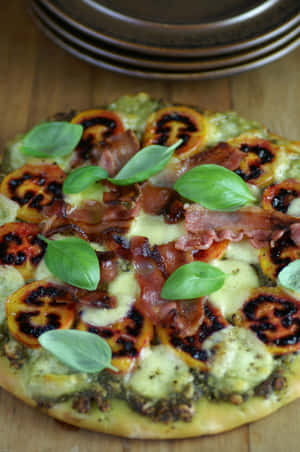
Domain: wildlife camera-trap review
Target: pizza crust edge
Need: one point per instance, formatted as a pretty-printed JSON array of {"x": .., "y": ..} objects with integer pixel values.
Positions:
[{"x": 210, "y": 417}]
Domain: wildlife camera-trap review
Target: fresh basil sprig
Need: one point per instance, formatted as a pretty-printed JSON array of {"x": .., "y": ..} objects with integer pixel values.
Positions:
[
  {"x": 74, "y": 261},
  {"x": 52, "y": 139},
  {"x": 215, "y": 188},
  {"x": 80, "y": 350},
  {"x": 145, "y": 163},
  {"x": 81, "y": 178},
  {"x": 192, "y": 281},
  {"x": 289, "y": 276}
]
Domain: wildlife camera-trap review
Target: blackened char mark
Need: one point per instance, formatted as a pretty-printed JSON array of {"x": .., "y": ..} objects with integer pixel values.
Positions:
[
  {"x": 282, "y": 317},
  {"x": 284, "y": 243},
  {"x": 265, "y": 156},
  {"x": 283, "y": 199},
  {"x": 163, "y": 129},
  {"x": 86, "y": 144},
  {"x": 26, "y": 326}
]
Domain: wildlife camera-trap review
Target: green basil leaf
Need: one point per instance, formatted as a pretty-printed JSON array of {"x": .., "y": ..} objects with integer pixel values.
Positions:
[
  {"x": 214, "y": 187},
  {"x": 145, "y": 163},
  {"x": 52, "y": 139},
  {"x": 74, "y": 261},
  {"x": 81, "y": 178},
  {"x": 192, "y": 281},
  {"x": 80, "y": 350},
  {"x": 289, "y": 276}
]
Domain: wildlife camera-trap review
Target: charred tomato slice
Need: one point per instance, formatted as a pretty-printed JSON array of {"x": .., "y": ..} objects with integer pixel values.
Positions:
[
  {"x": 98, "y": 125},
  {"x": 279, "y": 196},
  {"x": 168, "y": 125},
  {"x": 21, "y": 247},
  {"x": 189, "y": 347},
  {"x": 274, "y": 316},
  {"x": 126, "y": 338},
  {"x": 36, "y": 308},
  {"x": 34, "y": 187}
]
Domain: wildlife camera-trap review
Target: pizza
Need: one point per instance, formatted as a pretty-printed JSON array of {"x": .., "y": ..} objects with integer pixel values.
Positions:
[{"x": 149, "y": 267}]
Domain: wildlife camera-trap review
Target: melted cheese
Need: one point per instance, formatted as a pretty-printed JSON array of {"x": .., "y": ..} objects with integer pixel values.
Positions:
[
  {"x": 126, "y": 290},
  {"x": 241, "y": 278},
  {"x": 239, "y": 360},
  {"x": 93, "y": 193},
  {"x": 155, "y": 229},
  {"x": 242, "y": 251},
  {"x": 47, "y": 377},
  {"x": 8, "y": 210},
  {"x": 294, "y": 208},
  {"x": 159, "y": 373},
  {"x": 10, "y": 281}
]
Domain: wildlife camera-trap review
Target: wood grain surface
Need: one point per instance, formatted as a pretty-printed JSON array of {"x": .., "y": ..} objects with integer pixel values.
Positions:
[{"x": 37, "y": 79}]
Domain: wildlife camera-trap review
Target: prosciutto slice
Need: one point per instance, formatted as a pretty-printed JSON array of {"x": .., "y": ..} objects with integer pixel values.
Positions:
[
  {"x": 260, "y": 226},
  {"x": 117, "y": 151}
]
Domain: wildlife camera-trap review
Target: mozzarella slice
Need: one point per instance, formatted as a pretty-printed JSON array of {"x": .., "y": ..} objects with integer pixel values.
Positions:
[
  {"x": 241, "y": 278},
  {"x": 155, "y": 229},
  {"x": 159, "y": 373}
]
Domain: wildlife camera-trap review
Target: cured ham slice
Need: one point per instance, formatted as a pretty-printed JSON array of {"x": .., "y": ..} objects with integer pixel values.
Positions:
[{"x": 260, "y": 226}]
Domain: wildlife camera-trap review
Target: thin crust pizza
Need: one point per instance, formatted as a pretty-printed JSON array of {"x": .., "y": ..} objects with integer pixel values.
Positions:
[{"x": 150, "y": 268}]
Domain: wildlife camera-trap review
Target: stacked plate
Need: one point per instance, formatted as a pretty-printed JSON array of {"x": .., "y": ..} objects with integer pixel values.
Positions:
[{"x": 178, "y": 39}]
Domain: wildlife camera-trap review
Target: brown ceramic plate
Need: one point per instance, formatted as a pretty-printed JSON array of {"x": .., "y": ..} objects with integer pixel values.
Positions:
[
  {"x": 187, "y": 29},
  {"x": 65, "y": 31},
  {"x": 111, "y": 65}
]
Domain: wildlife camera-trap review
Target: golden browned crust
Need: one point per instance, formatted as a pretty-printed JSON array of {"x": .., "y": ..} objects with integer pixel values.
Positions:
[{"x": 210, "y": 417}]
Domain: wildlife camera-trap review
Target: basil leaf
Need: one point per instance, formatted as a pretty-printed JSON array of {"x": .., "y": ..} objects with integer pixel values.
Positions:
[
  {"x": 145, "y": 163},
  {"x": 80, "y": 350},
  {"x": 52, "y": 139},
  {"x": 73, "y": 261},
  {"x": 81, "y": 178},
  {"x": 289, "y": 276},
  {"x": 214, "y": 187},
  {"x": 192, "y": 281}
]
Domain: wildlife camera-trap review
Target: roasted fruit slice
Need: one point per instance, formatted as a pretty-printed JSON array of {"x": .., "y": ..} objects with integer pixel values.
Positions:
[
  {"x": 21, "y": 247},
  {"x": 126, "y": 337},
  {"x": 34, "y": 187},
  {"x": 274, "y": 316},
  {"x": 215, "y": 251},
  {"x": 98, "y": 125},
  {"x": 38, "y": 307},
  {"x": 189, "y": 348},
  {"x": 279, "y": 196},
  {"x": 277, "y": 254},
  {"x": 257, "y": 167},
  {"x": 168, "y": 125}
]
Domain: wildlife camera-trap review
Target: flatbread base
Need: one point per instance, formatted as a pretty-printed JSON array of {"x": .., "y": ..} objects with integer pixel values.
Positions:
[{"x": 210, "y": 417}]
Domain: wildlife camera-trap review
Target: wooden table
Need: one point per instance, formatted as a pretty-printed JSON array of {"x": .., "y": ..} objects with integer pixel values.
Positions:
[{"x": 38, "y": 79}]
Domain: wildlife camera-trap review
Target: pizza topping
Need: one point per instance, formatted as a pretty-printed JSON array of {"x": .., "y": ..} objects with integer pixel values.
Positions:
[
  {"x": 222, "y": 155},
  {"x": 159, "y": 373},
  {"x": 274, "y": 316},
  {"x": 8, "y": 210},
  {"x": 241, "y": 278},
  {"x": 117, "y": 151},
  {"x": 190, "y": 347},
  {"x": 126, "y": 338},
  {"x": 257, "y": 167},
  {"x": 80, "y": 350},
  {"x": 51, "y": 139},
  {"x": 170, "y": 124},
  {"x": 34, "y": 187},
  {"x": 38, "y": 307},
  {"x": 98, "y": 126},
  {"x": 280, "y": 196},
  {"x": 193, "y": 280},
  {"x": 289, "y": 276},
  {"x": 81, "y": 178},
  {"x": 277, "y": 254},
  {"x": 207, "y": 226},
  {"x": 21, "y": 247},
  {"x": 215, "y": 188},
  {"x": 125, "y": 290},
  {"x": 242, "y": 251},
  {"x": 10, "y": 280},
  {"x": 238, "y": 360},
  {"x": 73, "y": 261}
]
